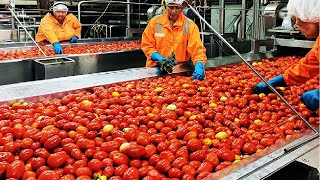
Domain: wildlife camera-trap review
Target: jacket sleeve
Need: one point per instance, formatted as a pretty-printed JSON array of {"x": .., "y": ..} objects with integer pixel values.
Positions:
[
  {"x": 76, "y": 25},
  {"x": 49, "y": 30},
  {"x": 307, "y": 68},
  {"x": 148, "y": 42},
  {"x": 195, "y": 46}
]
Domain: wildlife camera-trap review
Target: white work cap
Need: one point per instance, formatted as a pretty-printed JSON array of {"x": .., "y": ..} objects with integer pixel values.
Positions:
[
  {"x": 306, "y": 10},
  {"x": 177, "y": 2},
  {"x": 59, "y": 6}
]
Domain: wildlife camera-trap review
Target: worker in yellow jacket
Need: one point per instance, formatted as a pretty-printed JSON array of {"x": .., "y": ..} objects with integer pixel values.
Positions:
[
  {"x": 58, "y": 26},
  {"x": 173, "y": 32},
  {"x": 307, "y": 20}
]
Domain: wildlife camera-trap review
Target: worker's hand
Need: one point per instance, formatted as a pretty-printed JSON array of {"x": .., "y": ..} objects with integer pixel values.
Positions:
[
  {"x": 263, "y": 88},
  {"x": 57, "y": 48},
  {"x": 157, "y": 57},
  {"x": 198, "y": 71},
  {"x": 74, "y": 39},
  {"x": 311, "y": 99}
]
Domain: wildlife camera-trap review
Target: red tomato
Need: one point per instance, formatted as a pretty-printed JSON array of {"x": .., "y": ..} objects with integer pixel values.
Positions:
[
  {"x": 180, "y": 162},
  {"x": 28, "y": 174},
  {"x": 266, "y": 142},
  {"x": 187, "y": 176},
  {"x": 85, "y": 144},
  {"x": 110, "y": 146},
  {"x": 212, "y": 158},
  {"x": 41, "y": 170},
  {"x": 131, "y": 173},
  {"x": 37, "y": 162},
  {"x": 135, "y": 163},
  {"x": 204, "y": 167},
  {"x": 167, "y": 155},
  {"x": 182, "y": 152},
  {"x": 163, "y": 166},
  {"x": 203, "y": 175},
  {"x": 189, "y": 169},
  {"x": 68, "y": 177},
  {"x": 249, "y": 148},
  {"x": 194, "y": 145},
  {"x": 69, "y": 169},
  {"x": 83, "y": 171},
  {"x": 150, "y": 150},
  {"x": 94, "y": 165},
  {"x": 237, "y": 143},
  {"x": 6, "y": 156},
  {"x": 57, "y": 159},
  {"x": 12, "y": 147},
  {"x": 120, "y": 158},
  {"x": 143, "y": 139},
  {"x": 48, "y": 174},
  {"x": 154, "y": 174},
  {"x": 134, "y": 150},
  {"x": 226, "y": 155},
  {"x": 198, "y": 155},
  {"x": 223, "y": 165},
  {"x": 175, "y": 173},
  {"x": 157, "y": 138},
  {"x": 52, "y": 142},
  {"x": 3, "y": 167},
  {"x": 16, "y": 169},
  {"x": 108, "y": 171},
  {"x": 41, "y": 152},
  {"x": 25, "y": 154},
  {"x": 119, "y": 171}
]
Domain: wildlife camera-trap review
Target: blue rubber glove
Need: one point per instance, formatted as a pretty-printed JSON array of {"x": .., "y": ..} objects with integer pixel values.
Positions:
[
  {"x": 159, "y": 58},
  {"x": 263, "y": 88},
  {"x": 57, "y": 48},
  {"x": 74, "y": 39},
  {"x": 311, "y": 99},
  {"x": 198, "y": 71}
]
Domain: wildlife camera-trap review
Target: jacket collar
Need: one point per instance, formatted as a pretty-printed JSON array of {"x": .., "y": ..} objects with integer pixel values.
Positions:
[{"x": 164, "y": 19}]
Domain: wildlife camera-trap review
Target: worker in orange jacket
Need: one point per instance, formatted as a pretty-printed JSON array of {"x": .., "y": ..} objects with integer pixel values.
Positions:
[
  {"x": 59, "y": 26},
  {"x": 307, "y": 20},
  {"x": 173, "y": 32}
]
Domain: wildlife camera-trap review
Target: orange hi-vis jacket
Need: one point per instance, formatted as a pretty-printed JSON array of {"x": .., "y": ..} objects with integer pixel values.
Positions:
[
  {"x": 307, "y": 68},
  {"x": 51, "y": 30},
  {"x": 183, "y": 39}
]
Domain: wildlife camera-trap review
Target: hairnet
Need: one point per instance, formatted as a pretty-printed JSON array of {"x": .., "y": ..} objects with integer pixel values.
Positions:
[
  {"x": 306, "y": 10},
  {"x": 59, "y": 7},
  {"x": 177, "y": 2}
]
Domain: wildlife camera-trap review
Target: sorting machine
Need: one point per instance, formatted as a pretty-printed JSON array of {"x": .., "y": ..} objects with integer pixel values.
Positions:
[{"x": 94, "y": 69}]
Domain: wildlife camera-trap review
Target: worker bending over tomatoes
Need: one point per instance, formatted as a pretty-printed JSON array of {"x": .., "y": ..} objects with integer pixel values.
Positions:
[
  {"x": 173, "y": 32},
  {"x": 307, "y": 19},
  {"x": 58, "y": 26}
]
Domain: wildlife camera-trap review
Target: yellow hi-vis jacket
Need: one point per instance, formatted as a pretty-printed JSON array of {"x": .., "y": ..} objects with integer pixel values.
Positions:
[
  {"x": 307, "y": 68},
  {"x": 183, "y": 39},
  {"x": 51, "y": 30}
]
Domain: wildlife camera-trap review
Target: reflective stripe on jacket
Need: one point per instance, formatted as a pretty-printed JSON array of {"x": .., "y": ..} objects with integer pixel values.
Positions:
[
  {"x": 183, "y": 39},
  {"x": 307, "y": 68},
  {"x": 51, "y": 30}
]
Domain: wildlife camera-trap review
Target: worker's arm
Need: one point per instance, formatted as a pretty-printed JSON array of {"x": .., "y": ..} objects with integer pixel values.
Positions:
[
  {"x": 195, "y": 46},
  {"x": 307, "y": 68},
  {"x": 148, "y": 43},
  {"x": 48, "y": 29},
  {"x": 76, "y": 25}
]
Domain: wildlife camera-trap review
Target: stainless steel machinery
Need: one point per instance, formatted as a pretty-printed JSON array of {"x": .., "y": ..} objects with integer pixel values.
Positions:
[{"x": 278, "y": 26}]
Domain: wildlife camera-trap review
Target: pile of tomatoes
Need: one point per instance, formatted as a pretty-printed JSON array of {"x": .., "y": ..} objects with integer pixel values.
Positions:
[
  {"x": 169, "y": 127},
  {"x": 80, "y": 49}
]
